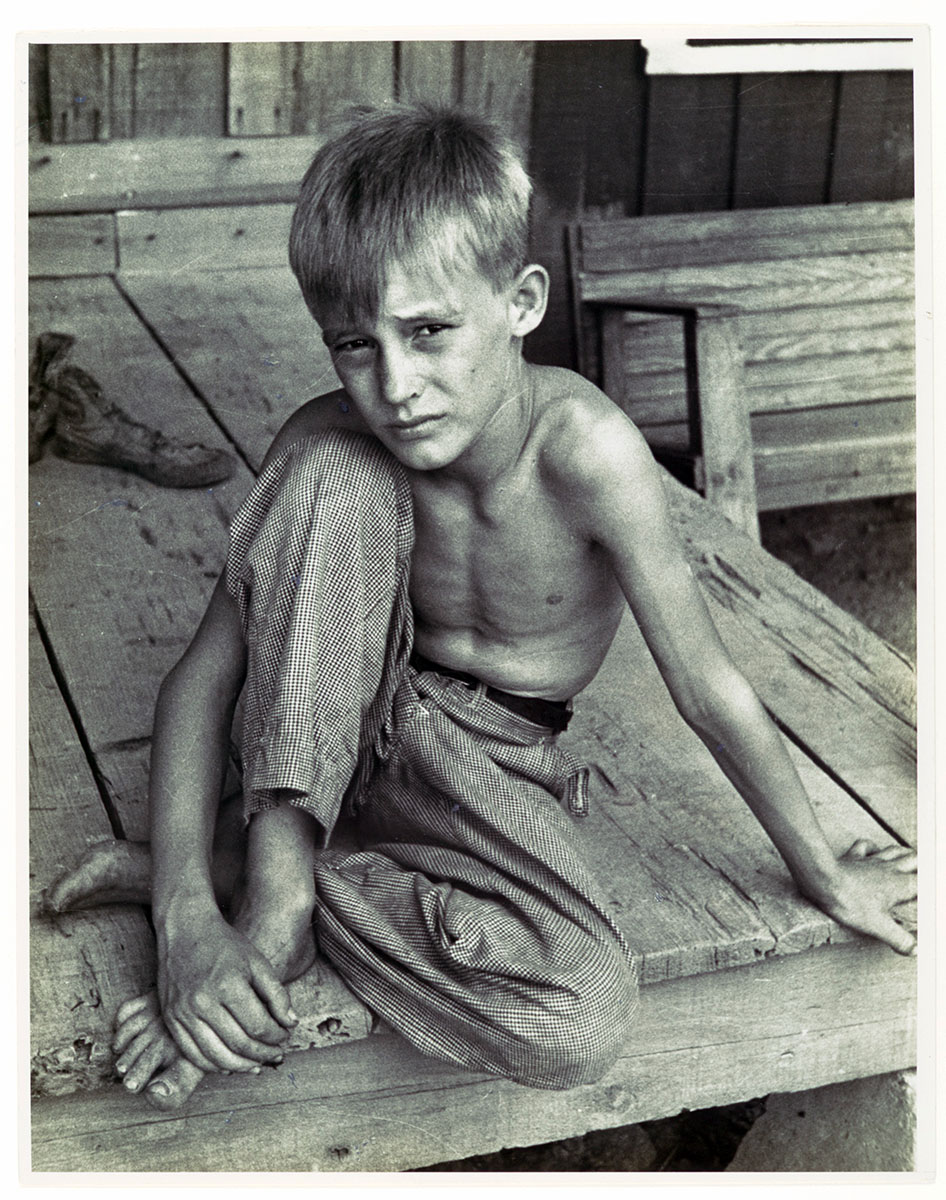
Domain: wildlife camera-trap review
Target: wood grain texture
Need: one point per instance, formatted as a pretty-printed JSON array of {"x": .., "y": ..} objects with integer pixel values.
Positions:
[
  {"x": 496, "y": 82},
  {"x": 79, "y": 101},
  {"x": 247, "y": 342},
  {"x": 177, "y": 89},
  {"x": 168, "y": 173},
  {"x": 747, "y": 235},
  {"x": 179, "y": 240},
  {"x": 80, "y": 245},
  {"x": 376, "y": 1105},
  {"x": 767, "y": 285},
  {"x": 334, "y": 75},
  {"x": 260, "y": 88},
  {"x": 147, "y": 557},
  {"x": 849, "y": 698},
  {"x": 726, "y": 439},
  {"x": 428, "y": 71},
  {"x": 84, "y": 965}
]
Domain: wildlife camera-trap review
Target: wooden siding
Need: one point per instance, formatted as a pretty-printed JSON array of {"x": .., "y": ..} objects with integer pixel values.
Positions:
[{"x": 101, "y": 92}]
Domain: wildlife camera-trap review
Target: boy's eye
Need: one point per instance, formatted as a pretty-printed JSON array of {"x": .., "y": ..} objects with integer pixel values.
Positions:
[
  {"x": 350, "y": 345},
  {"x": 424, "y": 332}
]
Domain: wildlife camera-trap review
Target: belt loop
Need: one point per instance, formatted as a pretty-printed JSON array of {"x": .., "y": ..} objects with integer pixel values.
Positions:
[{"x": 577, "y": 793}]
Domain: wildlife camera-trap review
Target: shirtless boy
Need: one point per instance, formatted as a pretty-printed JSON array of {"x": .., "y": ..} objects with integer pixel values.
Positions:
[{"x": 434, "y": 561}]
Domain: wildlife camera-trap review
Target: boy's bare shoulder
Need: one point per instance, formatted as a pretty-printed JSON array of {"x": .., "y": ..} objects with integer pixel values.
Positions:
[
  {"x": 334, "y": 410},
  {"x": 582, "y": 434}
]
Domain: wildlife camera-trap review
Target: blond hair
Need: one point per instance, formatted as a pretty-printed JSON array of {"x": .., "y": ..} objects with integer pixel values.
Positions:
[{"x": 407, "y": 182}]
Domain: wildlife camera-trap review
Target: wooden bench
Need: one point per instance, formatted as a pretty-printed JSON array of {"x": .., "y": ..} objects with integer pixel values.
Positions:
[
  {"x": 748, "y": 989},
  {"x": 773, "y": 348}
]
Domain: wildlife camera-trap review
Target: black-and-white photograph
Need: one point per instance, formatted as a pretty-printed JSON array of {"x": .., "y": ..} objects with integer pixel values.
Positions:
[{"x": 473, "y": 602}]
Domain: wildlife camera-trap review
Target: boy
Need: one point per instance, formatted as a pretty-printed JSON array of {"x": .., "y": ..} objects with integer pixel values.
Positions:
[{"x": 434, "y": 561}]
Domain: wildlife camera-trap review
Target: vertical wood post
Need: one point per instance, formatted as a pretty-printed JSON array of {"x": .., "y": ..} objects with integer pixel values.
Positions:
[{"x": 724, "y": 420}]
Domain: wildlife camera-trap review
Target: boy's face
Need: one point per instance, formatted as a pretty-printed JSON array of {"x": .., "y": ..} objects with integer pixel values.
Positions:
[{"x": 429, "y": 374}]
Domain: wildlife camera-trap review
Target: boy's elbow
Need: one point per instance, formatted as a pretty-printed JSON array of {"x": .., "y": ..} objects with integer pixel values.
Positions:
[{"x": 717, "y": 698}]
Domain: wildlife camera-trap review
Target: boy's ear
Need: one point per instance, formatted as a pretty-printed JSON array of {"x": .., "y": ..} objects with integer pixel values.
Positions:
[{"x": 528, "y": 299}]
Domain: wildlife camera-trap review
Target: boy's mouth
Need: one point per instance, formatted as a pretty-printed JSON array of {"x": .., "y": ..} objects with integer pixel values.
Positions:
[{"x": 414, "y": 425}]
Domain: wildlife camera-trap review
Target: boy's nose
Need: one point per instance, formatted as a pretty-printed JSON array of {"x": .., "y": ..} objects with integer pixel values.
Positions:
[{"x": 397, "y": 377}]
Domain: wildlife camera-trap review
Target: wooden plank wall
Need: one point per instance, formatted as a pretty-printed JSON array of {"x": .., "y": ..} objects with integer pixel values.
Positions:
[{"x": 98, "y": 92}]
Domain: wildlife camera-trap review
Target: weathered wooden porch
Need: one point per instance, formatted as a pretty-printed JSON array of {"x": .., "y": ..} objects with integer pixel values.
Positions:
[{"x": 749, "y": 990}]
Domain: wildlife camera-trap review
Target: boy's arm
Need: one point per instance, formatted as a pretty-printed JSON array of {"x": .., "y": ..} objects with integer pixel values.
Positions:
[
  {"x": 220, "y": 999},
  {"x": 616, "y": 486}
]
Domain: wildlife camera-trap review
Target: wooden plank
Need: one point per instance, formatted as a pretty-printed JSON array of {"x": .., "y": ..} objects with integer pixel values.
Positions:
[
  {"x": 764, "y": 286},
  {"x": 847, "y": 697},
  {"x": 77, "y": 980},
  {"x": 837, "y": 460},
  {"x": 124, "y": 61},
  {"x": 147, "y": 557},
  {"x": 496, "y": 81},
  {"x": 858, "y": 422},
  {"x": 728, "y": 478},
  {"x": 659, "y": 399},
  {"x": 38, "y": 93},
  {"x": 685, "y": 869},
  {"x": 260, "y": 88},
  {"x": 166, "y": 173},
  {"x": 201, "y": 239},
  {"x": 783, "y": 139},
  {"x": 376, "y": 1105},
  {"x": 745, "y": 236},
  {"x": 247, "y": 341},
  {"x": 428, "y": 71},
  {"x": 801, "y": 494},
  {"x": 651, "y": 343},
  {"x": 335, "y": 75},
  {"x": 80, "y": 245},
  {"x": 178, "y": 89},
  {"x": 873, "y": 157},
  {"x": 79, "y": 92},
  {"x": 690, "y": 127}
]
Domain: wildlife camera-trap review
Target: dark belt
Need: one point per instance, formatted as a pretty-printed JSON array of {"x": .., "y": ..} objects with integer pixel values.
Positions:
[{"x": 554, "y": 714}]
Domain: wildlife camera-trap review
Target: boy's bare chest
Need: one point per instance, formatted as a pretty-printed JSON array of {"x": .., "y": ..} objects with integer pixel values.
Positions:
[{"x": 507, "y": 565}]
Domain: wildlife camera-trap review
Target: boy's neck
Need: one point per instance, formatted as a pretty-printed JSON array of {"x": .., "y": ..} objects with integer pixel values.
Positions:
[{"x": 500, "y": 444}]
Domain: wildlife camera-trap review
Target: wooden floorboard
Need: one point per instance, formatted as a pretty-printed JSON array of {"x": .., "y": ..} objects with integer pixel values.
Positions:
[
  {"x": 246, "y": 341},
  {"x": 121, "y": 569},
  {"x": 82, "y": 966},
  {"x": 377, "y": 1105}
]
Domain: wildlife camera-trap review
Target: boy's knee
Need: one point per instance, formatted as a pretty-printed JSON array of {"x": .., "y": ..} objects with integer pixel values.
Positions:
[{"x": 578, "y": 1037}]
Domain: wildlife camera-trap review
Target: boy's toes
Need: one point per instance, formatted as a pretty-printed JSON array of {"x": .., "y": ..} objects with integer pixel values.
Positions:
[{"x": 174, "y": 1087}]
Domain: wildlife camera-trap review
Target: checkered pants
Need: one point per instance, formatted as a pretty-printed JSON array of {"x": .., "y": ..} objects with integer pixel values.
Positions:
[{"x": 468, "y": 919}]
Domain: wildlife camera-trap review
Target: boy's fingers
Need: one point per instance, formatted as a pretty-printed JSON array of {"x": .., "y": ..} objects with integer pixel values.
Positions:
[
  {"x": 187, "y": 1046},
  {"x": 898, "y": 854},
  {"x": 862, "y": 848},
  {"x": 224, "y": 1044},
  {"x": 276, "y": 997}
]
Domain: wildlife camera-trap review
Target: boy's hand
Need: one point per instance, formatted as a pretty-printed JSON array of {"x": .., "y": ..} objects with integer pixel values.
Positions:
[
  {"x": 221, "y": 1000},
  {"x": 870, "y": 884}
]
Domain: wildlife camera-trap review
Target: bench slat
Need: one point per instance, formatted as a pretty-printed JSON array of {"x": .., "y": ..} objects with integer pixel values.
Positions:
[
  {"x": 764, "y": 286},
  {"x": 746, "y": 235}
]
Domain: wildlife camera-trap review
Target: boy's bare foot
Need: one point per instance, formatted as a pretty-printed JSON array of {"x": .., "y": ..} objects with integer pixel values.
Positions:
[
  {"x": 144, "y": 1048},
  {"x": 108, "y": 873}
]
